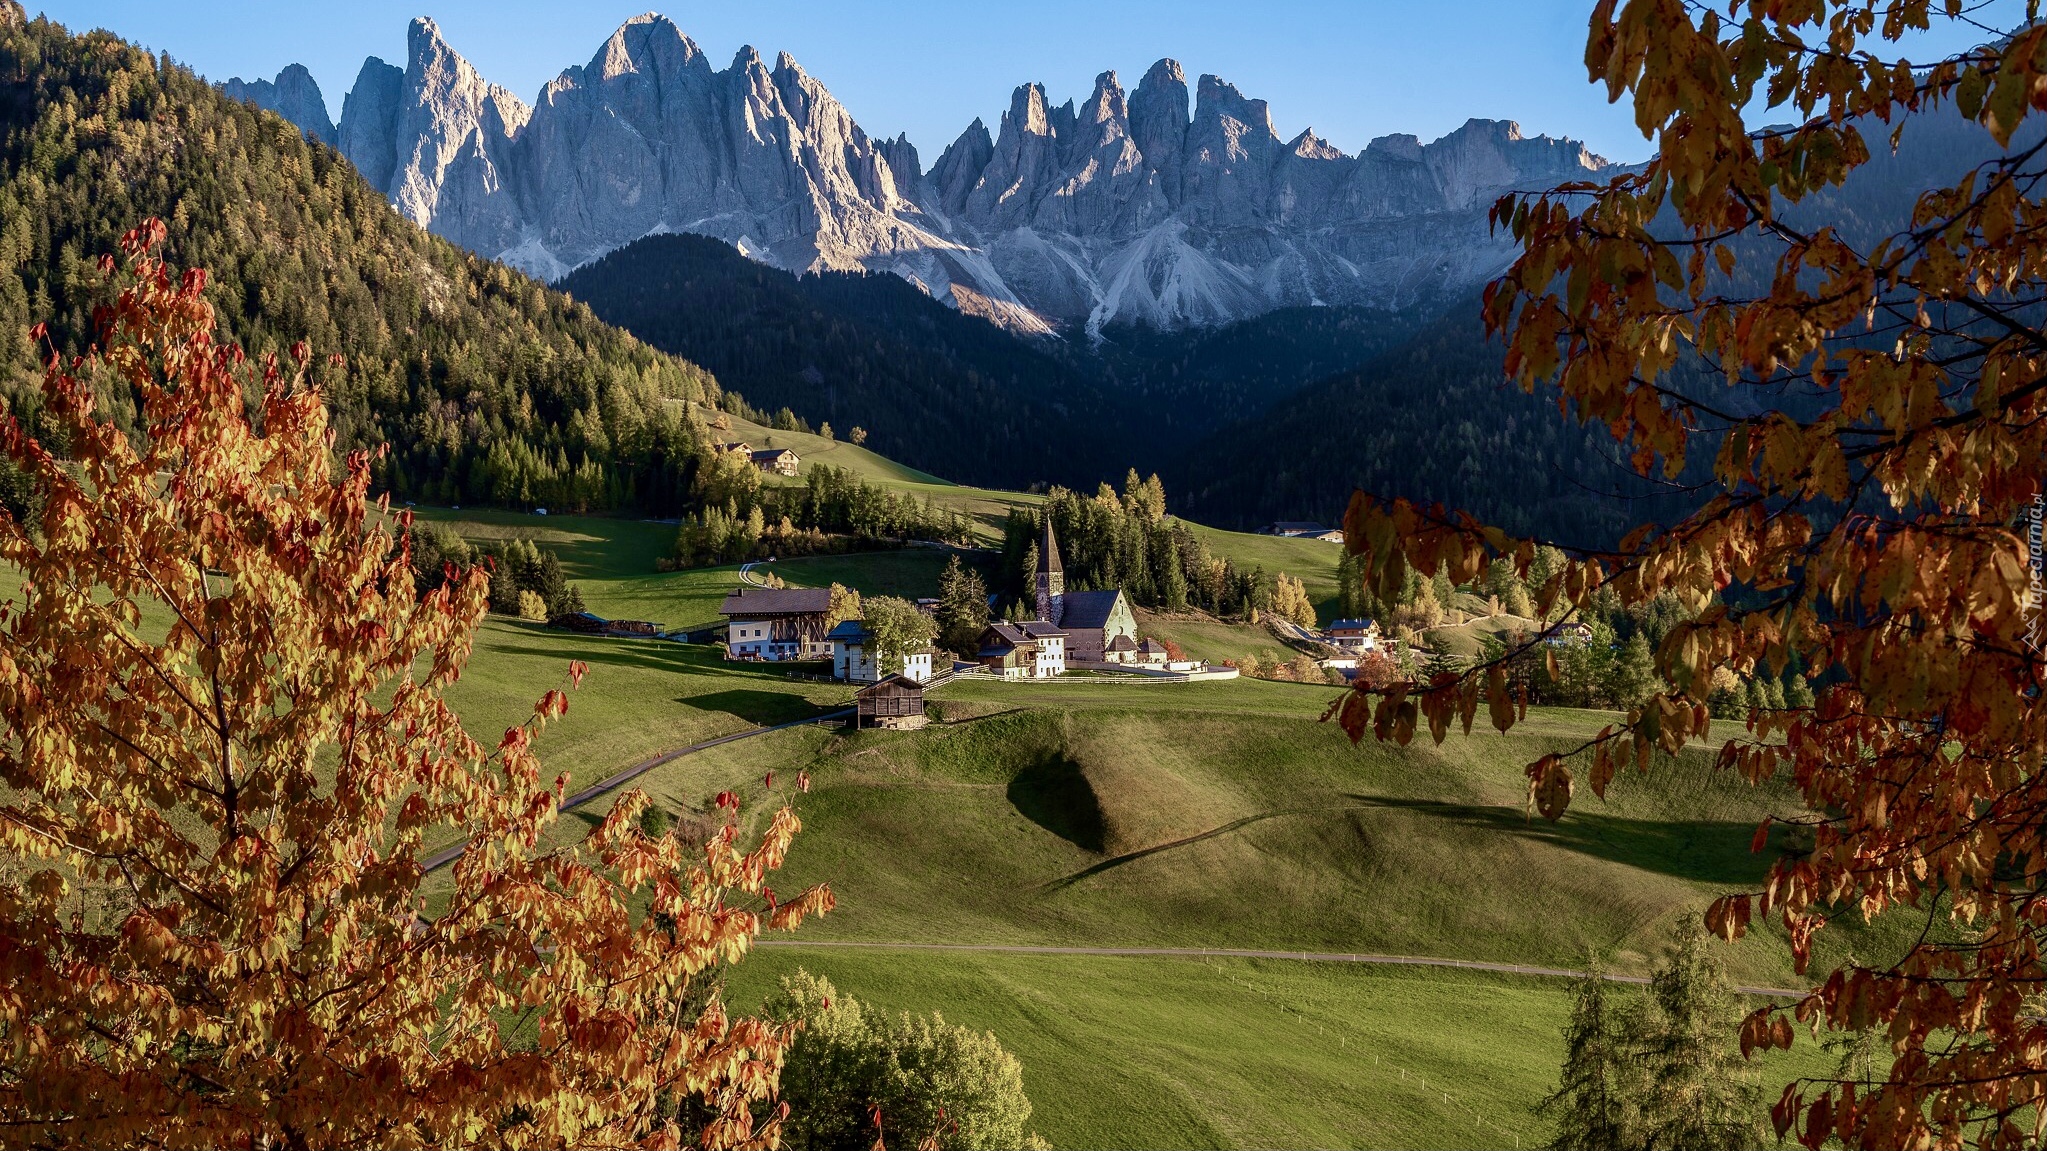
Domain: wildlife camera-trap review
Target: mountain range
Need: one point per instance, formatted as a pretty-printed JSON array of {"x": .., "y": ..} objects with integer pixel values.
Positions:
[{"x": 1164, "y": 207}]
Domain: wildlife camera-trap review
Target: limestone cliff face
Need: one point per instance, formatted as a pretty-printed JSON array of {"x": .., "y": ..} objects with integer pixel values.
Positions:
[
  {"x": 1127, "y": 208},
  {"x": 294, "y": 95}
]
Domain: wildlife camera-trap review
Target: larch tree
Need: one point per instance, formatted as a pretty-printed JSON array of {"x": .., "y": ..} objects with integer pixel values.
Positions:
[
  {"x": 1873, "y": 533},
  {"x": 226, "y": 748}
]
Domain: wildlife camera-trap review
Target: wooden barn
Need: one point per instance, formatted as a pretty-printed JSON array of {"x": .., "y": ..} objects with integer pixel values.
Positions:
[
  {"x": 895, "y": 702},
  {"x": 777, "y": 623}
]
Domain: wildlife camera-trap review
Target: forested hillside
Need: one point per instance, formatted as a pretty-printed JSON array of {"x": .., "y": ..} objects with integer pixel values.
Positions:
[
  {"x": 1435, "y": 419},
  {"x": 488, "y": 386},
  {"x": 941, "y": 391},
  {"x": 1191, "y": 383}
]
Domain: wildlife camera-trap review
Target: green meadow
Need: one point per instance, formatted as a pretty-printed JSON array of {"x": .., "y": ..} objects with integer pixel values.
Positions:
[{"x": 1210, "y": 815}]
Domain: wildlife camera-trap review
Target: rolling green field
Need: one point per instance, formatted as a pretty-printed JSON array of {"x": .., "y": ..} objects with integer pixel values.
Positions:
[
  {"x": 1204, "y": 815},
  {"x": 1186, "y": 1053}
]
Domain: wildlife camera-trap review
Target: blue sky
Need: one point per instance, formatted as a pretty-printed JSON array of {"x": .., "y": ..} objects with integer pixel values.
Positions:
[{"x": 1352, "y": 70}]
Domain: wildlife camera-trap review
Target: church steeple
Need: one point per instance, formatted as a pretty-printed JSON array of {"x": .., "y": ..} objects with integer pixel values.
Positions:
[{"x": 1051, "y": 577}]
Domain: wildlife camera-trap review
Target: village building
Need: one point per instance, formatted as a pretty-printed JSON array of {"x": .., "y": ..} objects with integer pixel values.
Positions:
[
  {"x": 855, "y": 660},
  {"x": 777, "y": 623},
  {"x": 1129, "y": 652},
  {"x": 1033, "y": 649},
  {"x": 1304, "y": 530},
  {"x": 776, "y": 461},
  {"x": 1353, "y": 634},
  {"x": 1567, "y": 634},
  {"x": 737, "y": 448},
  {"x": 892, "y": 702},
  {"x": 1151, "y": 653},
  {"x": 1091, "y": 619},
  {"x": 853, "y": 656}
]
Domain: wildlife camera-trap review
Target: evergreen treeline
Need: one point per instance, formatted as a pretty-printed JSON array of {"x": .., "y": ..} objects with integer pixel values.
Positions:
[
  {"x": 488, "y": 386},
  {"x": 525, "y": 579},
  {"x": 833, "y": 510},
  {"x": 941, "y": 391},
  {"x": 1126, "y": 541}
]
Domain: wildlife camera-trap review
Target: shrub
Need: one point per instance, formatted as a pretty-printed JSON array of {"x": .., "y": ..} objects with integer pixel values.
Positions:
[{"x": 856, "y": 1078}]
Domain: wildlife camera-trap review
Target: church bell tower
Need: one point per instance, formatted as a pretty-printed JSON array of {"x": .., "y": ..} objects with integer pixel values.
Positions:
[{"x": 1051, "y": 578}]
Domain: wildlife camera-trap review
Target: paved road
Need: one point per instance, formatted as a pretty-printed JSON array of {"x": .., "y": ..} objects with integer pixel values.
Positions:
[
  {"x": 448, "y": 855},
  {"x": 1247, "y": 953}
]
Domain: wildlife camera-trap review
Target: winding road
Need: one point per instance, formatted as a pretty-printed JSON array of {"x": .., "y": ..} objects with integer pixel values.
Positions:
[
  {"x": 448, "y": 855},
  {"x": 1251, "y": 953}
]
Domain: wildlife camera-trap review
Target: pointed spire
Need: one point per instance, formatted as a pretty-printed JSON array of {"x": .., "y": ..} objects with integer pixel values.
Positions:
[{"x": 1048, "y": 552}]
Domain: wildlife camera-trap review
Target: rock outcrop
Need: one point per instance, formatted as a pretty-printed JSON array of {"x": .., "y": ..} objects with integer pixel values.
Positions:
[
  {"x": 1123, "y": 209},
  {"x": 294, "y": 95}
]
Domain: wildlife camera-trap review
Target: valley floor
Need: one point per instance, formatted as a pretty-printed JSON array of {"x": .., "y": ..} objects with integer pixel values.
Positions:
[{"x": 1198, "y": 816}]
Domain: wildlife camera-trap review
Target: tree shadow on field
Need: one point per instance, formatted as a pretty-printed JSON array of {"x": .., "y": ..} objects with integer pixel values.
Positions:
[
  {"x": 1708, "y": 851},
  {"x": 541, "y": 641},
  {"x": 760, "y": 708},
  {"x": 1053, "y": 793}
]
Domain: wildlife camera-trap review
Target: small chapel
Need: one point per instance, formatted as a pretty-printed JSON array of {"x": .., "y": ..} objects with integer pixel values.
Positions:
[{"x": 1092, "y": 620}]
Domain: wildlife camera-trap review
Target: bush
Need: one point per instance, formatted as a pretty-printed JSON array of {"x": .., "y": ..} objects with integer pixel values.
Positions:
[
  {"x": 924, "y": 1081},
  {"x": 531, "y": 606}
]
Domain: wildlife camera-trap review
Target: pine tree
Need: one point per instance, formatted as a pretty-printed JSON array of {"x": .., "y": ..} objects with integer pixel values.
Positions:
[
  {"x": 1797, "y": 690},
  {"x": 1440, "y": 661},
  {"x": 1633, "y": 675},
  {"x": 962, "y": 607},
  {"x": 1591, "y": 1104},
  {"x": 1699, "y": 1093}
]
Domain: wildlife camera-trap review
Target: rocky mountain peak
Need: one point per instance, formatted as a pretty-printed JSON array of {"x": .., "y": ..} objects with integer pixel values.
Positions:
[
  {"x": 295, "y": 95},
  {"x": 1155, "y": 206},
  {"x": 648, "y": 43}
]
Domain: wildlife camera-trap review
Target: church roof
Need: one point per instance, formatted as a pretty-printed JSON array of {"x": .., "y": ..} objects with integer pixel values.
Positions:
[
  {"x": 1048, "y": 552},
  {"x": 1088, "y": 608}
]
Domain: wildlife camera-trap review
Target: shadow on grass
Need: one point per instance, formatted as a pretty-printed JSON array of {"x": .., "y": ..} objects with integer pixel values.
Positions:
[
  {"x": 760, "y": 708},
  {"x": 1708, "y": 851},
  {"x": 1053, "y": 793}
]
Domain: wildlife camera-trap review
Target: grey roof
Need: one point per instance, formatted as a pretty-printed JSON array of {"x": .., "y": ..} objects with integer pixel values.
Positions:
[
  {"x": 1152, "y": 647},
  {"x": 1022, "y": 634},
  {"x": 1351, "y": 625},
  {"x": 764, "y": 601},
  {"x": 851, "y": 631},
  {"x": 1087, "y": 608},
  {"x": 1122, "y": 643},
  {"x": 1284, "y": 526},
  {"x": 890, "y": 682}
]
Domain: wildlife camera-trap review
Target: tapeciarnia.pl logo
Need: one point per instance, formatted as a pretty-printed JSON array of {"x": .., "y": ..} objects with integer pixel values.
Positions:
[{"x": 2036, "y": 568}]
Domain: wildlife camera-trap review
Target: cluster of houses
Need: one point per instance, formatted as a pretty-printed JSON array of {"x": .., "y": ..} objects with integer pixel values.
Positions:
[
  {"x": 1095, "y": 629},
  {"x": 774, "y": 461}
]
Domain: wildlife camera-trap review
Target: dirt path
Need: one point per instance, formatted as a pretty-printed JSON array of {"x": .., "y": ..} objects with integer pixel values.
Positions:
[
  {"x": 448, "y": 855},
  {"x": 1250, "y": 953}
]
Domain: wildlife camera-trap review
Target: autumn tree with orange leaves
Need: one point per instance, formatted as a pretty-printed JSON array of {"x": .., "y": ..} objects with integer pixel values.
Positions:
[
  {"x": 225, "y": 745},
  {"x": 1874, "y": 533}
]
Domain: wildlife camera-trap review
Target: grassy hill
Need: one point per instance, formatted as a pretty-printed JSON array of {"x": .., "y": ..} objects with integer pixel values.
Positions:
[
  {"x": 1223, "y": 815},
  {"x": 1150, "y": 815}
]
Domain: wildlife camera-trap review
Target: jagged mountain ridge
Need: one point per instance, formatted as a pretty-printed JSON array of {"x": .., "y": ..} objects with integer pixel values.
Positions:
[{"x": 1130, "y": 208}]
